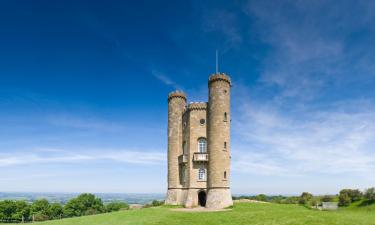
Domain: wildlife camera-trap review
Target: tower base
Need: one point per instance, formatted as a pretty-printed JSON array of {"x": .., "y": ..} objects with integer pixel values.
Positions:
[
  {"x": 219, "y": 198},
  {"x": 175, "y": 197}
]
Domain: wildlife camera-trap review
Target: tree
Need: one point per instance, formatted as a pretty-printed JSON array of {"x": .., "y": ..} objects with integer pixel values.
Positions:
[
  {"x": 354, "y": 194},
  {"x": 7, "y": 209},
  {"x": 261, "y": 197},
  {"x": 370, "y": 194},
  {"x": 56, "y": 211},
  {"x": 40, "y": 210},
  {"x": 305, "y": 198},
  {"x": 22, "y": 211},
  {"x": 327, "y": 198},
  {"x": 116, "y": 206},
  {"x": 84, "y": 204},
  {"x": 344, "y": 199}
]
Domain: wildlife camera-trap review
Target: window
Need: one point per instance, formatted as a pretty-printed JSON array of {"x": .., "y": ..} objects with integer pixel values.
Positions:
[
  {"x": 202, "y": 174},
  {"x": 225, "y": 116},
  {"x": 225, "y": 174},
  {"x": 202, "y": 121},
  {"x": 225, "y": 145},
  {"x": 202, "y": 145}
]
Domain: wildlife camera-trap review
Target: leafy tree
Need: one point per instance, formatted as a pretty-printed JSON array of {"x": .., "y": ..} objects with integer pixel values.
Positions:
[
  {"x": 40, "y": 210},
  {"x": 7, "y": 209},
  {"x": 305, "y": 198},
  {"x": 84, "y": 204},
  {"x": 344, "y": 199},
  {"x": 56, "y": 211},
  {"x": 22, "y": 211},
  {"x": 261, "y": 197},
  {"x": 354, "y": 194},
  {"x": 370, "y": 195},
  {"x": 116, "y": 206},
  {"x": 327, "y": 198}
]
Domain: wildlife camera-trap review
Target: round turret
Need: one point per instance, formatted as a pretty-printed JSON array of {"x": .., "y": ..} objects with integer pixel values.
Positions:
[
  {"x": 176, "y": 108},
  {"x": 218, "y": 137}
]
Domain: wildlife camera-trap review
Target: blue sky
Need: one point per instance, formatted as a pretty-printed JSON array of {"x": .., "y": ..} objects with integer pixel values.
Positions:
[{"x": 84, "y": 84}]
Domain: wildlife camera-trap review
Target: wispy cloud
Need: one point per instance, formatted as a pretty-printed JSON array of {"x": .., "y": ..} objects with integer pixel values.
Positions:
[
  {"x": 64, "y": 120},
  {"x": 312, "y": 44},
  {"x": 165, "y": 79},
  {"x": 92, "y": 155},
  {"x": 225, "y": 23},
  {"x": 337, "y": 140}
]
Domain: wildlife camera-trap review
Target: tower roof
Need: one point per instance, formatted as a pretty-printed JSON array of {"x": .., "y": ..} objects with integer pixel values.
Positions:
[
  {"x": 177, "y": 94},
  {"x": 219, "y": 77}
]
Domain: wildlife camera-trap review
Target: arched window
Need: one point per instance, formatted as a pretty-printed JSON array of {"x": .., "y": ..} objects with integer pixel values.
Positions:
[
  {"x": 225, "y": 116},
  {"x": 225, "y": 145},
  {"x": 202, "y": 145},
  {"x": 225, "y": 174},
  {"x": 202, "y": 174}
]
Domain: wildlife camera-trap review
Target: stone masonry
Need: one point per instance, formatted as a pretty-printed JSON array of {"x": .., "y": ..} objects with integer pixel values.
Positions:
[{"x": 199, "y": 147}]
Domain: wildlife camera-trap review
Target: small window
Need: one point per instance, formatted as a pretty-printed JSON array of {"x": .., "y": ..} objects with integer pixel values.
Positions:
[
  {"x": 225, "y": 174},
  {"x": 202, "y": 174},
  {"x": 202, "y": 145},
  {"x": 225, "y": 91},
  {"x": 225, "y": 145},
  {"x": 202, "y": 121},
  {"x": 225, "y": 116}
]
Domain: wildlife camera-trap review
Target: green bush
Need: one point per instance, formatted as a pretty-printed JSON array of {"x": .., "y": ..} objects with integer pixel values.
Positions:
[
  {"x": 84, "y": 204},
  {"x": 116, "y": 206},
  {"x": 305, "y": 198},
  {"x": 370, "y": 195},
  {"x": 41, "y": 209}
]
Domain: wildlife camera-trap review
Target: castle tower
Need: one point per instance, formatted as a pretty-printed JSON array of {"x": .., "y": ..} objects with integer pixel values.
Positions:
[
  {"x": 218, "y": 137},
  {"x": 176, "y": 108}
]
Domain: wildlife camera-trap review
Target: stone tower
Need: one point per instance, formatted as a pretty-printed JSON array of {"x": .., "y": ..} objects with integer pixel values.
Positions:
[
  {"x": 176, "y": 108},
  {"x": 199, "y": 147},
  {"x": 218, "y": 136}
]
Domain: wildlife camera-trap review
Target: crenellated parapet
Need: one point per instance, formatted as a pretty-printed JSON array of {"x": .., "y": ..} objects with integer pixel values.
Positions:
[
  {"x": 177, "y": 94},
  {"x": 197, "y": 106},
  {"x": 219, "y": 77}
]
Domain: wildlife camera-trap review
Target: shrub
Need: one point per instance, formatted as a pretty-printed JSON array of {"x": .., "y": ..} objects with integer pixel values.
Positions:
[
  {"x": 261, "y": 197},
  {"x": 305, "y": 198},
  {"x": 344, "y": 199},
  {"x": 326, "y": 198},
  {"x": 370, "y": 195},
  {"x": 56, "y": 211},
  {"x": 84, "y": 204},
  {"x": 116, "y": 206},
  {"x": 40, "y": 209}
]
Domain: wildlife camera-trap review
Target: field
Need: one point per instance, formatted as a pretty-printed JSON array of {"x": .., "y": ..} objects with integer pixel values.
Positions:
[{"x": 242, "y": 213}]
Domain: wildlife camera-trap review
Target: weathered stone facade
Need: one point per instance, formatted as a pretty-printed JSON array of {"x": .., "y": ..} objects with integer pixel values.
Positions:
[{"x": 199, "y": 147}]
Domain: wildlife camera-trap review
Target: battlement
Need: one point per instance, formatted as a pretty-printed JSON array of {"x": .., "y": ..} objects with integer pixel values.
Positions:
[
  {"x": 197, "y": 106},
  {"x": 219, "y": 77},
  {"x": 176, "y": 94}
]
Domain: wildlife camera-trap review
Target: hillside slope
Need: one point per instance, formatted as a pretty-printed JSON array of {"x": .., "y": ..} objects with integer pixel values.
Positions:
[{"x": 242, "y": 213}]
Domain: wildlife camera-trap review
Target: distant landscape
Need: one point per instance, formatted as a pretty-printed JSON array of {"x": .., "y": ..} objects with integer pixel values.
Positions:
[{"x": 63, "y": 198}]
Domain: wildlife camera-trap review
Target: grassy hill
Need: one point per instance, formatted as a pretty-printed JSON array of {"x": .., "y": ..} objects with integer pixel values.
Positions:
[{"x": 242, "y": 213}]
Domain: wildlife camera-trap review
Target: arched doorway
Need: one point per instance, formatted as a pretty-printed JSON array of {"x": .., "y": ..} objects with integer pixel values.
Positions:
[{"x": 202, "y": 198}]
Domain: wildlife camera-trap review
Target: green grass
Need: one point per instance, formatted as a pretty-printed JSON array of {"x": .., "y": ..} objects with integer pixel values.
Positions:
[{"x": 242, "y": 214}]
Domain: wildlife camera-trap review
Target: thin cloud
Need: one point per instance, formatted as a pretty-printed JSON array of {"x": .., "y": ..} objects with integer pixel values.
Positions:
[
  {"x": 311, "y": 53},
  {"x": 66, "y": 157},
  {"x": 339, "y": 140},
  {"x": 165, "y": 79}
]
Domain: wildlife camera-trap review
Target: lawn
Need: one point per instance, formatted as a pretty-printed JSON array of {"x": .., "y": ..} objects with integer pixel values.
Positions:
[{"x": 242, "y": 213}]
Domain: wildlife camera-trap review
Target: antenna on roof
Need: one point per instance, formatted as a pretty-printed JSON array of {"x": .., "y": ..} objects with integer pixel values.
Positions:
[{"x": 217, "y": 62}]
